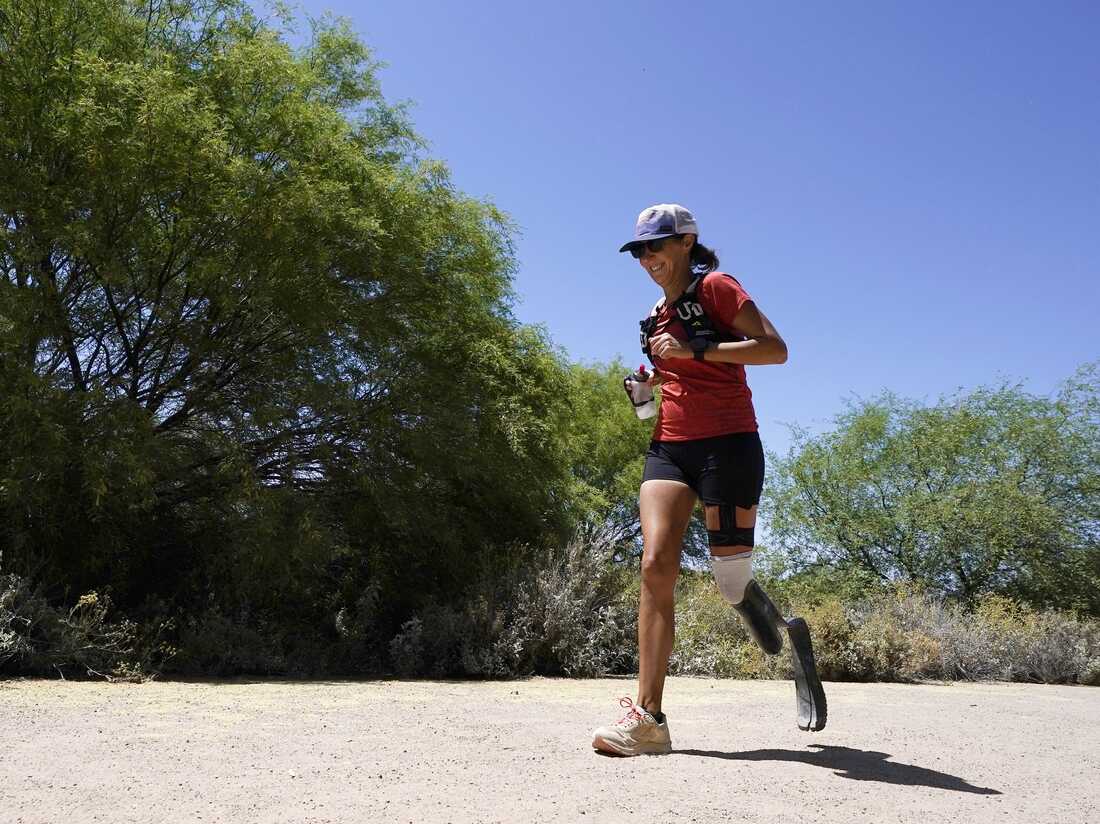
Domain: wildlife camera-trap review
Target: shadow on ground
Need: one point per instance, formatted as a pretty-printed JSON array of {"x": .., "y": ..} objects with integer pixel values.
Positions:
[{"x": 860, "y": 765}]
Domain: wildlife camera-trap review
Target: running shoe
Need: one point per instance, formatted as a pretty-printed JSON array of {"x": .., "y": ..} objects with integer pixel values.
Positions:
[
  {"x": 636, "y": 733},
  {"x": 809, "y": 694}
]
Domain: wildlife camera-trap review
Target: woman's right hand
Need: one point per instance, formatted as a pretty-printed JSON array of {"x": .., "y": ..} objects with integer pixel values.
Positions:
[{"x": 669, "y": 346}]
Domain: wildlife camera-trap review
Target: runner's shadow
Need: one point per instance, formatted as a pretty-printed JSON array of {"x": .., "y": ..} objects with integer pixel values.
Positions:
[{"x": 859, "y": 765}]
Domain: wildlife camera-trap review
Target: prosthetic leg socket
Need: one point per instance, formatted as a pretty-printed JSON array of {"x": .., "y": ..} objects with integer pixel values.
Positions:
[{"x": 761, "y": 618}]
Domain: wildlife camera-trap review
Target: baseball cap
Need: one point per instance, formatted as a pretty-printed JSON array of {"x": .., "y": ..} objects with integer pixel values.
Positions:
[{"x": 662, "y": 220}]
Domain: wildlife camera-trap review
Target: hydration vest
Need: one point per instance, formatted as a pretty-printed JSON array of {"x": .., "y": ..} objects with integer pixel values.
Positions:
[{"x": 689, "y": 311}]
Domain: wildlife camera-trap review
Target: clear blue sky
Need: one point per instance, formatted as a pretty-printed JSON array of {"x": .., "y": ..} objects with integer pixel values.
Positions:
[{"x": 910, "y": 191}]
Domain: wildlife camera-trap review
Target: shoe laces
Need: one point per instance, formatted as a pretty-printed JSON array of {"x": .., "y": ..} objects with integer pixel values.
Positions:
[{"x": 635, "y": 713}]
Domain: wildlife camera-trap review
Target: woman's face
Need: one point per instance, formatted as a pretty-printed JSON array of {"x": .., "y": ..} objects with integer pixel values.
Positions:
[{"x": 671, "y": 261}]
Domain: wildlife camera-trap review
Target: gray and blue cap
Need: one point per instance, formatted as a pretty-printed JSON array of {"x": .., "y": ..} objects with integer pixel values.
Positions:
[{"x": 662, "y": 220}]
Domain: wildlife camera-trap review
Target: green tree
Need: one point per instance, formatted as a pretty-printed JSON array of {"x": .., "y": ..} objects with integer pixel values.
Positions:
[
  {"x": 255, "y": 351},
  {"x": 995, "y": 490},
  {"x": 606, "y": 445}
]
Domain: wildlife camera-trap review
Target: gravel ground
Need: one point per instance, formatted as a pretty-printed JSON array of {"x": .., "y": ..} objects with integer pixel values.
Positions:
[{"x": 520, "y": 751}]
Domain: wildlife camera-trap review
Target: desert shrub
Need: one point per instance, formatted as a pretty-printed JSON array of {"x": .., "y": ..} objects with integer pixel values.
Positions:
[
  {"x": 37, "y": 638},
  {"x": 443, "y": 641},
  {"x": 709, "y": 636},
  {"x": 850, "y": 644},
  {"x": 947, "y": 642},
  {"x": 407, "y": 648},
  {"x": 1091, "y": 674},
  {"x": 1000, "y": 639},
  {"x": 563, "y": 611},
  {"x": 15, "y": 622},
  {"x": 911, "y": 634},
  {"x": 216, "y": 644},
  {"x": 1057, "y": 649},
  {"x": 1046, "y": 647},
  {"x": 358, "y": 646},
  {"x": 710, "y": 639},
  {"x": 579, "y": 613},
  {"x": 904, "y": 634},
  {"x": 884, "y": 649}
]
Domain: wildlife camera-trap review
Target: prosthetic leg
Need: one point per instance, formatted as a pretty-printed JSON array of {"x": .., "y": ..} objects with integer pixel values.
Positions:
[
  {"x": 733, "y": 574},
  {"x": 808, "y": 692}
]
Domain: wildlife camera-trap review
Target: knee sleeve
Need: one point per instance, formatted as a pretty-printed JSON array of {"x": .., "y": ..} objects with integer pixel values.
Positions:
[{"x": 732, "y": 573}]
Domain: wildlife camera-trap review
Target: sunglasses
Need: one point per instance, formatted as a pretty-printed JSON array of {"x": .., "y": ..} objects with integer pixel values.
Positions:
[{"x": 639, "y": 249}]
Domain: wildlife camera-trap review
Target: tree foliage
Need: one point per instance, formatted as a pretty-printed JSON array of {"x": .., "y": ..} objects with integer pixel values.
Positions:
[
  {"x": 606, "y": 447},
  {"x": 261, "y": 388},
  {"x": 606, "y": 444},
  {"x": 256, "y": 352},
  {"x": 995, "y": 490}
]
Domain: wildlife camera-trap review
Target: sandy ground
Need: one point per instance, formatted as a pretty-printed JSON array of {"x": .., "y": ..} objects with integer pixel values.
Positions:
[{"x": 520, "y": 751}]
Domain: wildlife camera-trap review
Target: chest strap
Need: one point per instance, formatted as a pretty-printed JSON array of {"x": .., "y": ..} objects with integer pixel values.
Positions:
[{"x": 688, "y": 310}]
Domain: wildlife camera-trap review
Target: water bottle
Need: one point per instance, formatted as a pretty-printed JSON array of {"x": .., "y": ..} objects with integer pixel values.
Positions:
[{"x": 640, "y": 393}]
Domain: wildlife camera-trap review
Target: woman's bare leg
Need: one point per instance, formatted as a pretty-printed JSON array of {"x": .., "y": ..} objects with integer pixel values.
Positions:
[{"x": 666, "y": 508}]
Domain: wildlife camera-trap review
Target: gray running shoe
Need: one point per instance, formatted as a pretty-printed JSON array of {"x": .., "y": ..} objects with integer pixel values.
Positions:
[{"x": 636, "y": 733}]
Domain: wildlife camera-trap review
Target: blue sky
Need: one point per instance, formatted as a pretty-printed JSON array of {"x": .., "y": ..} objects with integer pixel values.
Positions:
[{"x": 910, "y": 191}]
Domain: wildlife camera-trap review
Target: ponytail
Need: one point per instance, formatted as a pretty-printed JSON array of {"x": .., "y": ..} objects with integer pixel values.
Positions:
[{"x": 703, "y": 260}]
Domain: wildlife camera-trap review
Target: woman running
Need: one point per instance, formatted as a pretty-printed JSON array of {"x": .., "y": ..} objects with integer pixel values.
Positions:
[{"x": 705, "y": 446}]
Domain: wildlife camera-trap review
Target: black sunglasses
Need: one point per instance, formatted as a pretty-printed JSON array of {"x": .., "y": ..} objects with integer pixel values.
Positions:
[{"x": 638, "y": 249}]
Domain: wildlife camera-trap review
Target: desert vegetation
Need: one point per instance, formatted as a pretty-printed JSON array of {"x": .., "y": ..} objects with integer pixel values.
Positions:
[{"x": 265, "y": 409}]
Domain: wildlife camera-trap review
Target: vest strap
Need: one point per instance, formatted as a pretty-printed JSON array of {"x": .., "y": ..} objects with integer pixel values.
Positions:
[{"x": 692, "y": 316}]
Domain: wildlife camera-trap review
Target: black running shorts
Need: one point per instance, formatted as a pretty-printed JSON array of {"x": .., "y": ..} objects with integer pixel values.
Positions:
[{"x": 725, "y": 471}]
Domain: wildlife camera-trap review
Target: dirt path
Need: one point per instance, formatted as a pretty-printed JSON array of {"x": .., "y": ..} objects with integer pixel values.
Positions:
[{"x": 519, "y": 751}]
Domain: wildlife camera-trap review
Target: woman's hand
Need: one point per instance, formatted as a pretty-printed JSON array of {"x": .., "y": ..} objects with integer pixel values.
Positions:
[{"x": 666, "y": 346}]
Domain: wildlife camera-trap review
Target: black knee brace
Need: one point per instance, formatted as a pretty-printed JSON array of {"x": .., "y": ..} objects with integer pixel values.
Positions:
[
  {"x": 761, "y": 618},
  {"x": 728, "y": 532}
]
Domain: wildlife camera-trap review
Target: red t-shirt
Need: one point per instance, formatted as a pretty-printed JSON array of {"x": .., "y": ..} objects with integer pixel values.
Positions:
[{"x": 703, "y": 399}]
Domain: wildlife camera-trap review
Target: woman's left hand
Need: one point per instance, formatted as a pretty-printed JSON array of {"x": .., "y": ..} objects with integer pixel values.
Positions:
[{"x": 667, "y": 347}]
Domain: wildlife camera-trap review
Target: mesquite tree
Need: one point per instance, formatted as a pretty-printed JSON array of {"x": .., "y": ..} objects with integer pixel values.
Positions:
[
  {"x": 994, "y": 490},
  {"x": 255, "y": 350}
]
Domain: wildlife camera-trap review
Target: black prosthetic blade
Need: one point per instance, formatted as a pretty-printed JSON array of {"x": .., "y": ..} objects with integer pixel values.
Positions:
[{"x": 809, "y": 693}]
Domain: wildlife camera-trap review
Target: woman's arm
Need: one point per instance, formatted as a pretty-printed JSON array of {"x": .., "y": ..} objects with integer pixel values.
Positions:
[{"x": 764, "y": 345}]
